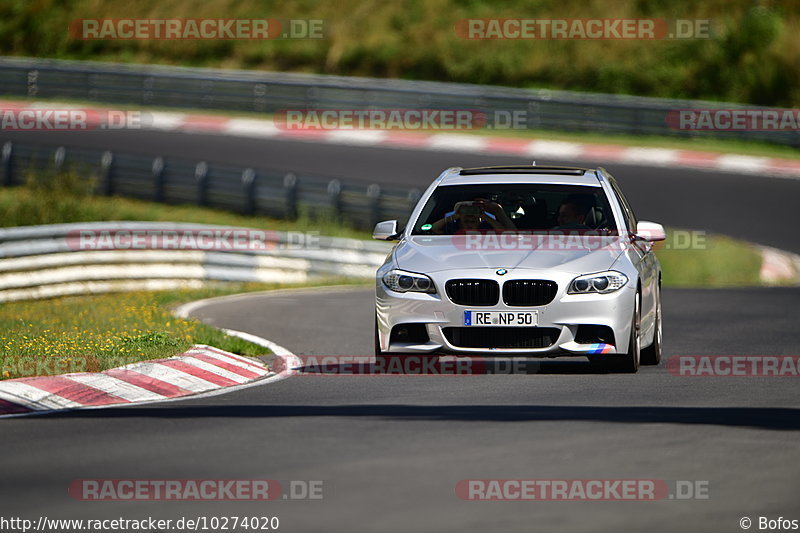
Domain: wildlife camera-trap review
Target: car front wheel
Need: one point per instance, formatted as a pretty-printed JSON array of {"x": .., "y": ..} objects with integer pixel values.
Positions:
[
  {"x": 652, "y": 354},
  {"x": 378, "y": 351},
  {"x": 628, "y": 363}
]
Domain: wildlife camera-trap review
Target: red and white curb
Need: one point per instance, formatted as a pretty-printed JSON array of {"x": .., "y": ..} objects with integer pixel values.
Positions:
[
  {"x": 779, "y": 267},
  {"x": 549, "y": 149},
  {"x": 199, "y": 372}
]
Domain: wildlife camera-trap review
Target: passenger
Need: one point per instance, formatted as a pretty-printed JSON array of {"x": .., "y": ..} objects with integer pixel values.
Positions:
[{"x": 473, "y": 216}]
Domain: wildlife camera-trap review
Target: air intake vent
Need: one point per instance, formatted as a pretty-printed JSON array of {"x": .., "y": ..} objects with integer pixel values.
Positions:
[
  {"x": 472, "y": 337},
  {"x": 477, "y": 292},
  {"x": 529, "y": 292}
]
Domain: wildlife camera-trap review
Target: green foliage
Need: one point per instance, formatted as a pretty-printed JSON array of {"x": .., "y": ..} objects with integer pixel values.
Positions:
[
  {"x": 753, "y": 54},
  {"x": 48, "y": 197}
]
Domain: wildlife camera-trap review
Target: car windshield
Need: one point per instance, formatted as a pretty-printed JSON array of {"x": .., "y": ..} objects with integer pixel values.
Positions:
[{"x": 507, "y": 207}]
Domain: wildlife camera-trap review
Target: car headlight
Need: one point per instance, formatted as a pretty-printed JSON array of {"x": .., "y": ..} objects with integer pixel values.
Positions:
[
  {"x": 402, "y": 281},
  {"x": 600, "y": 283}
]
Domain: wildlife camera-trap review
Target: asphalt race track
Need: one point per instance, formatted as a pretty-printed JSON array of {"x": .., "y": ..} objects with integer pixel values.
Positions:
[{"x": 390, "y": 449}]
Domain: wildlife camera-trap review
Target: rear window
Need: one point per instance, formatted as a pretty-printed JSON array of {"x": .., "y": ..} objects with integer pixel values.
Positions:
[{"x": 523, "y": 207}]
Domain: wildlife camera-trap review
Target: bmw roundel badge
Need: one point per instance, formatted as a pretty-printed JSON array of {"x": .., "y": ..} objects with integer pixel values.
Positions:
[{"x": 501, "y": 272}]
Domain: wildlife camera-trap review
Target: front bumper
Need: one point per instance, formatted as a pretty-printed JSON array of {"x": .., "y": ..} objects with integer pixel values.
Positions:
[{"x": 564, "y": 314}]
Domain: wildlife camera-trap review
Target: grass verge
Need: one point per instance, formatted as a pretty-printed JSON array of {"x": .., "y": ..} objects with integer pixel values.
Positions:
[
  {"x": 98, "y": 332},
  {"x": 66, "y": 199},
  {"x": 697, "y": 143},
  {"x": 714, "y": 261}
]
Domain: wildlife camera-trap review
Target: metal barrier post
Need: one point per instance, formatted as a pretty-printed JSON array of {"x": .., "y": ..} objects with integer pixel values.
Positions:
[
  {"x": 374, "y": 196},
  {"x": 249, "y": 191},
  {"x": 335, "y": 195},
  {"x": 201, "y": 177},
  {"x": 158, "y": 179},
  {"x": 106, "y": 165},
  {"x": 8, "y": 164},
  {"x": 59, "y": 156},
  {"x": 290, "y": 195}
]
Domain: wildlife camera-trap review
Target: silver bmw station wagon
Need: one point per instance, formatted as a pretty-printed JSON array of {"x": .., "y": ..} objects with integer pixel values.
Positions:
[{"x": 522, "y": 261}]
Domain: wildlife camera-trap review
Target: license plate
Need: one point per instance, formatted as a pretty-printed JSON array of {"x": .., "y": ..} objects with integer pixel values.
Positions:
[{"x": 501, "y": 318}]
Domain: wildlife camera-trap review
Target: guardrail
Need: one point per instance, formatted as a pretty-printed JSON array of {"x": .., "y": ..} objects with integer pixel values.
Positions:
[
  {"x": 44, "y": 261},
  {"x": 268, "y": 92},
  {"x": 245, "y": 190}
]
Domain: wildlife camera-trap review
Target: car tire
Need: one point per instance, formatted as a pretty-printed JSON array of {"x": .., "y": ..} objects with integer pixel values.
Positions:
[
  {"x": 629, "y": 363},
  {"x": 652, "y": 354},
  {"x": 378, "y": 352}
]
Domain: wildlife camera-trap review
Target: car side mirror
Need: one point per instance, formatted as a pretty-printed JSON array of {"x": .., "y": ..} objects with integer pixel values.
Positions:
[
  {"x": 385, "y": 231},
  {"x": 650, "y": 231}
]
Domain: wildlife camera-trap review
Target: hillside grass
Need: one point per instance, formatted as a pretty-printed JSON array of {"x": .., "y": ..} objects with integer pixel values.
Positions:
[{"x": 753, "y": 55}]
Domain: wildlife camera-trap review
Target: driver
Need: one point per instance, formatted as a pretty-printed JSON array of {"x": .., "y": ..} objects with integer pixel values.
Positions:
[
  {"x": 473, "y": 216},
  {"x": 572, "y": 214}
]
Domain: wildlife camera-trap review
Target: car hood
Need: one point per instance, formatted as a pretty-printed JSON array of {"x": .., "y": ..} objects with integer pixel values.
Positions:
[{"x": 432, "y": 254}]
